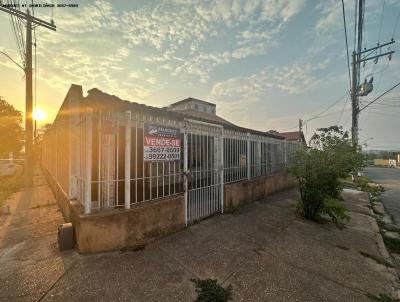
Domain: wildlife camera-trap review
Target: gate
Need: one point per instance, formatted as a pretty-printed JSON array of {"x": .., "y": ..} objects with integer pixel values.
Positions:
[{"x": 203, "y": 170}]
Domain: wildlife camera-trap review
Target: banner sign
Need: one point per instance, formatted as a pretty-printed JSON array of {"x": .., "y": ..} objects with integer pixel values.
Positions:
[{"x": 161, "y": 143}]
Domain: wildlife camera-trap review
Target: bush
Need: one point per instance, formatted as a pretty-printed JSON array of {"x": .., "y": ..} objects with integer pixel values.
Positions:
[
  {"x": 335, "y": 210},
  {"x": 319, "y": 170},
  {"x": 209, "y": 290}
]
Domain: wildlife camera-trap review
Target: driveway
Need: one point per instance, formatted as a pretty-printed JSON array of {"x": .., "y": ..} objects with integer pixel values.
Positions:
[
  {"x": 389, "y": 178},
  {"x": 265, "y": 252}
]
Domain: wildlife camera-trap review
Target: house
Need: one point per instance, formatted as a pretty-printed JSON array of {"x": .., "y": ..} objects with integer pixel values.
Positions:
[
  {"x": 125, "y": 173},
  {"x": 294, "y": 136}
]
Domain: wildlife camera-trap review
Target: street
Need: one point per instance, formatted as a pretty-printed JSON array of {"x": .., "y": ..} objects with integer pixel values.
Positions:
[{"x": 389, "y": 178}]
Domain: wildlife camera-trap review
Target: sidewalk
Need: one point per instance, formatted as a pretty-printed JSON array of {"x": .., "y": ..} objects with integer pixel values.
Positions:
[{"x": 265, "y": 252}]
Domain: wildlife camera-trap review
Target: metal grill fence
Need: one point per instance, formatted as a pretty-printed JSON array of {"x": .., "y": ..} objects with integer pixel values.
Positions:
[{"x": 98, "y": 159}]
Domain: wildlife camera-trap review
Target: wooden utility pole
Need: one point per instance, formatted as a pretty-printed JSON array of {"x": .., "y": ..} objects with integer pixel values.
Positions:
[
  {"x": 31, "y": 22},
  {"x": 28, "y": 105},
  {"x": 354, "y": 102},
  {"x": 361, "y": 56}
]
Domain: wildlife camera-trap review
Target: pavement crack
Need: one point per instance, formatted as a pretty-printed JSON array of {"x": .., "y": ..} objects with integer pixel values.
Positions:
[
  {"x": 58, "y": 279},
  {"x": 177, "y": 261}
]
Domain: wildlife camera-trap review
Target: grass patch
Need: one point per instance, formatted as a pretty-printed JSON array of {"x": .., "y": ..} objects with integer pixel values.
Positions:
[
  {"x": 393, "y": 244},
  {"x": 209, "y": 290},
  {"x": 9, "y": 185},
  {"x": 382, "y": 298},
  {"x": 377, "y": 259}
]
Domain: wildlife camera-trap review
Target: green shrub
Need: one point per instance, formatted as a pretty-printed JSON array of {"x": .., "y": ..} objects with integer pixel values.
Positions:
[
  {"x": 319, "y": 170},
  {"x": 209, "y": 290},
  {"x": 335, "y": 210}
]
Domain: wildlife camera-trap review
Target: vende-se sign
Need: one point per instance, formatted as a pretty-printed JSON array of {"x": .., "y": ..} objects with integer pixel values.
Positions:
[{"x": 161, "y": 143}]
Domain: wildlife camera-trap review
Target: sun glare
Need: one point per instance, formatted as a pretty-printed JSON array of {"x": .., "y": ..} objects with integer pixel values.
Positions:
[{"x": 39, "y": 115}]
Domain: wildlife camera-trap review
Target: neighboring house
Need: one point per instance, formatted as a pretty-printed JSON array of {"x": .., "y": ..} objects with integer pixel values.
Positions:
[{"x": 294, "y": 136}]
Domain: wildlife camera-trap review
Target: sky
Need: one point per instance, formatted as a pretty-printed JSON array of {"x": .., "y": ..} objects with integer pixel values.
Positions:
[{"x": 265, "y": 63}]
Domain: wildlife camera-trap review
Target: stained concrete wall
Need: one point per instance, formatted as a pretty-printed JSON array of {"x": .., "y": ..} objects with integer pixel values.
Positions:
[
  {"x": 244, "y": 192},
  {"x": 113, "y": 229},
  {"x": 118, "y": 228}
]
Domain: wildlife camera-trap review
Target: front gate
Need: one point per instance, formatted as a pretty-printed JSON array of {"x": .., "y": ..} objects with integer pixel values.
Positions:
[{"x": 203, "y": 170}]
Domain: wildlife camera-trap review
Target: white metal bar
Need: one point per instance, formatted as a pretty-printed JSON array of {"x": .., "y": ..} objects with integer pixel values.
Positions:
[
  {"x": 128, "y": 160},
  {"x": 88, "y": 163},
  {"x": 185, "y": 173},
  {"x": 248, "y": 157},
  {"x": 136, "y": 159},
  {"x": 99, "y": 140},
  {"x": 222, "y": 170}
]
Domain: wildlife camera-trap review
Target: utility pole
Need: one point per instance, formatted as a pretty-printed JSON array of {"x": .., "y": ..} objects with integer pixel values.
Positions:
[
  {"x": 354, "y": 102},
  {"x": 31, "y": 22},
  {"x": 28, "y": 105},
  {"x": 361, "y": 56},
  {"x": 300, "y": 128}
]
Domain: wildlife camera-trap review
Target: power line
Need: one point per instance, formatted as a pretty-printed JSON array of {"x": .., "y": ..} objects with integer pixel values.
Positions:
[
  {"x": 2, "y": 52},
  {"x": 395, "y": 24},
  {"x": 381, "y": 20},
  {"x": 380, "y": 29},
  {"x": 329, "y": 107},
  {"x": 347, "y": 46},
  {"x": 377, "y": 98}
]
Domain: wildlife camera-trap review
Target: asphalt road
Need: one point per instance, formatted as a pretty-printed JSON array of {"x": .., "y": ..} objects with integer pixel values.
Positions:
[{"x": 389, "y": 178}]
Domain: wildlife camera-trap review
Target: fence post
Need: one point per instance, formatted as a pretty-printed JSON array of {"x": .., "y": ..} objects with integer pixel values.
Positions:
[
  {"x": 185, "y": 171},
  {"x": 88, "y": 163},
  {"x": 248, "y": 157},
  {"x": 127, "y": 159},
  {"x": 222, "y": 170}
]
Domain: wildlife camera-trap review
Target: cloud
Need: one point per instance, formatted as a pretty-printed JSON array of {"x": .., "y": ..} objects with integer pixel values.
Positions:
[{"x": 289, "y": 79}]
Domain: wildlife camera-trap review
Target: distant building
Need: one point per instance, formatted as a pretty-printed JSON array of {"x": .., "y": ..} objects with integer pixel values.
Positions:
[
  {"x": 198, "y": 109},
  {"x": 385, "y": 162},
  {"x": 294, "y": 136}
]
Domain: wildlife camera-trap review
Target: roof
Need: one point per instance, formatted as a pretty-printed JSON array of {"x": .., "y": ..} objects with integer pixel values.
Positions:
[
  {"x": 213, "y": 118},
  {"x": 103, "y": 101},
  {"x": 190, "y": 100},
  {"x": 293, "y": 136}
]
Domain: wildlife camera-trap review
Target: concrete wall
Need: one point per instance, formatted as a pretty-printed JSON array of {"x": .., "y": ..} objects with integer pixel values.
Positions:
[
  {"x": 118, "y": 228},
  {"x": 244, "y": 192},
  {"x": 113, "y": 229}
]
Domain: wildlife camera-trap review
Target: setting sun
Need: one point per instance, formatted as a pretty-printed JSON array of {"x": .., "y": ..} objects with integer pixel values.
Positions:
[{"x": 39, "y": 114}]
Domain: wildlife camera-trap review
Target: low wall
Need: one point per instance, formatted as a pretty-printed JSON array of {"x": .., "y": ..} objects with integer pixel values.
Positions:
[
  {"x": 117, "y": 228},
  {"x": 247, "y": 191},
  {"x": 114, "y": 229}
]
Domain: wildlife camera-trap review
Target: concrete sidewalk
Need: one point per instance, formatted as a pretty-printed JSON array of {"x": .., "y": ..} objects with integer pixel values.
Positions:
[{"x": 265, "y": 252}]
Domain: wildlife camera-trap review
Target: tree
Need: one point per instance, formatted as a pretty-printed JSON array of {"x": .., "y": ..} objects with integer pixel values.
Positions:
[
  {"x": 319, "y": 170},
  {"x": 11, "y": 131}
]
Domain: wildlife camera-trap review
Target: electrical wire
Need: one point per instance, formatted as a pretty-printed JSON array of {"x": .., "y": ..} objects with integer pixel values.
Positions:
[
  {"x": 395, "y": 24},
  {"x": 380, "y": 30},
  {"x": 347, "y": 46},
  {"x": 329, "y": 107},
  {"x": 381, "y": 20},
  {"x": 377, "y": 98}
]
